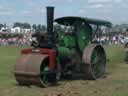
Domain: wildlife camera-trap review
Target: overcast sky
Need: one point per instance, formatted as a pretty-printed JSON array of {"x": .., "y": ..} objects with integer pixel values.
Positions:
[{"x": 33, "y": 11}]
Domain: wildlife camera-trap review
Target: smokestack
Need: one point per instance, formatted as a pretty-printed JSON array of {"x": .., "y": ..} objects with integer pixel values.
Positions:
[{"x": 50, "y": 20}]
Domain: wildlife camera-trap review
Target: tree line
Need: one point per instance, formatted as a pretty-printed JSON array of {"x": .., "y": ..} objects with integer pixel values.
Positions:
[
  {"x": 43, "y": 28},
  {"x": 35, "y": 27}
]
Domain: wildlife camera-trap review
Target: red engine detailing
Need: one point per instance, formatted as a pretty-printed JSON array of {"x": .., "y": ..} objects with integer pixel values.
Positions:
[
  {"x": 26, "y": 51},
  {"x": 50, "y": 52},
  {"x": 52, "y": 56}
]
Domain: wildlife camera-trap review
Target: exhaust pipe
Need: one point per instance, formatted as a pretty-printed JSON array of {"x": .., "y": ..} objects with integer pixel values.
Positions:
[{"x": 50, "y": 20}]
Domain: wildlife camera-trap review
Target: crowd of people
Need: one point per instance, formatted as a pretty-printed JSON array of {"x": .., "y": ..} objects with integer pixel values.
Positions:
[
  {"x": 27, "y": 40},
  {"x": 15, "y": 41},
  {"x": 115, "y": 39}
]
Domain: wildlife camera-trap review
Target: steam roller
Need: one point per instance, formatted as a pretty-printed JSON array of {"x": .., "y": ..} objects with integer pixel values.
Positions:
[{"x": 62, "y": 54}]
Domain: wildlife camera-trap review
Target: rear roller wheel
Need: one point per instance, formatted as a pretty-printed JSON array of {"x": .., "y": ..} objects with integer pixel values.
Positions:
[{"x": 94, "y": 59}]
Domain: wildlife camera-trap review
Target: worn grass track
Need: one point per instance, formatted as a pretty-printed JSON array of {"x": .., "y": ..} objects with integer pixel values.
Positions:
[{"x": 115, "y": 83}]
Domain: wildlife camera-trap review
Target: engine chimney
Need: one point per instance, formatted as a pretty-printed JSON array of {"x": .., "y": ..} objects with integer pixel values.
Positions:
[{"x": 50, "y": 20}]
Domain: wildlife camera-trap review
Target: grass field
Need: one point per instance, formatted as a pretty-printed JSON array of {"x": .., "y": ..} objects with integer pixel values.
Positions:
[{"x": 115, "y": 83}]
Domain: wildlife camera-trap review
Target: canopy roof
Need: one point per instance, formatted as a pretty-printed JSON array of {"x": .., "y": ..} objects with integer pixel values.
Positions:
[{"x": 72, "y": 19}]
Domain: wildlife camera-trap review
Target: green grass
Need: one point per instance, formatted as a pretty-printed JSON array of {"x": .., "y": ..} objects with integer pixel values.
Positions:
[
  {"x": 8, "y": 56},
  {"x": 114, "y": 85},
  {"x": 115, "y": 54}
]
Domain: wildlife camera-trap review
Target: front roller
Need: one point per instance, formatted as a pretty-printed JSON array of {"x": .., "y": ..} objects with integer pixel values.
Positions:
[
  {"x": 94, "y": 59},
  {"x": 33, "y": 69}
]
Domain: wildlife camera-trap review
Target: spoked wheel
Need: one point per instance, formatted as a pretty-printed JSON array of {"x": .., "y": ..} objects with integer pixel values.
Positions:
[
  {"x": 48, "y": 77},
  {"x": 94, "y": 59},
  {"x": 33, "y": 69}
]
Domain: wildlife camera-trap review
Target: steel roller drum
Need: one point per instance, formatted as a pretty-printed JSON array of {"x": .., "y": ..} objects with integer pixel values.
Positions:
[
  {"x": 94, "y": 59},
  {"x": 27, "y": 69}
]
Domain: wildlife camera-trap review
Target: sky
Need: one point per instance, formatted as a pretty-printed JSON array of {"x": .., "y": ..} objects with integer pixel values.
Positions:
[{"x": 34, "y": 11}]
